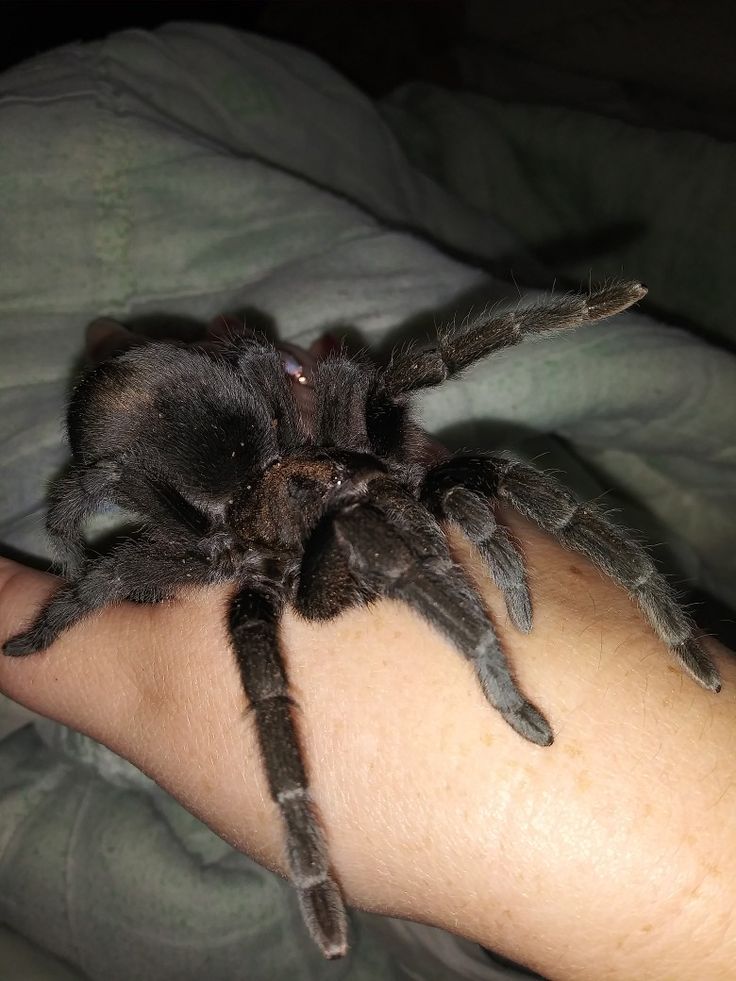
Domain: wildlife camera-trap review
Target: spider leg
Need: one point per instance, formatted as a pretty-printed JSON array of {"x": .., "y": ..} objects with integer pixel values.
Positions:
[
  {"x": 359, "y": 555},
  {"x": 254, "y": 616},
  {"x": 475, "y": 517},
  {"x": 83, "y": 488},
  {"x": 458, "y": 347},
  {"x": 133, "y": 570},
  {"x": 73, "y": 496},
  {"x": 583, "y": 528}
]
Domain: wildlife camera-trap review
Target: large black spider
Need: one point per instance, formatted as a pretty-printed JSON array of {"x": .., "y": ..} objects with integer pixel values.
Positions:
[{"x": 323, "y": 511}]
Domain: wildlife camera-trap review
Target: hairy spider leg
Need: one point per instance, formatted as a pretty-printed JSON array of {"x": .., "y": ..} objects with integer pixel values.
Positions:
[
  {"x": 141, "y": 570},
  {"x": 581, "y": 527},
  {"x": 461, "y": 345},
  {"x": 81, "y": 490},
  {"x": 254, "y": 616},
  {"x": 474, "y": 515},
  {"x": 73, "y": 497},
  {"x": 360, "y": 555}
]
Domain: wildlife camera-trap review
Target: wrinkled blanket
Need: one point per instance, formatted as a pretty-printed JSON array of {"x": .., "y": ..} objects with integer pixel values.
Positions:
[{"x": 194, "y": 170}]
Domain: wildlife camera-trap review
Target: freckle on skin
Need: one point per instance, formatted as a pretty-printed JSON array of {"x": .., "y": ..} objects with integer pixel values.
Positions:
[{"x": 583, "y": 781}]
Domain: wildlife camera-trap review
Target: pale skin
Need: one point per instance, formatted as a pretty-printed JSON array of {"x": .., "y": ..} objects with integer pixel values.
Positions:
[{"x": 609, "y": 855}]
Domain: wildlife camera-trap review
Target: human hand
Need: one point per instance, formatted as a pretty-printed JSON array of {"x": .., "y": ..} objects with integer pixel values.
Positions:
[{"x": 608, "y": 854}]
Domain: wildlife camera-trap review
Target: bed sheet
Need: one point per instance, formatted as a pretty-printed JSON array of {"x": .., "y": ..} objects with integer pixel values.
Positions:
[{"x": 194, "y": 170}]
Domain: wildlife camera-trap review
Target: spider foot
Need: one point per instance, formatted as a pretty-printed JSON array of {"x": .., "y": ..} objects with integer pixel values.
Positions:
[
  {"x": 324, "y": 913},
  {"x": 31, "y": 641},
  {"x": 530, "y": 723},
  {"x": 698, "y": 664}
]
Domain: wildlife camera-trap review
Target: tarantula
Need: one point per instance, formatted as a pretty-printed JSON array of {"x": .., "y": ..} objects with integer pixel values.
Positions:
[{"x": 323, "y": 511}]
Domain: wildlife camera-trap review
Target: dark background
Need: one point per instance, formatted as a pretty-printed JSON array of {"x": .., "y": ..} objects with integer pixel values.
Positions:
[
  {"x": 683, "y": 49},
  {"x": 376, "y": 44}
]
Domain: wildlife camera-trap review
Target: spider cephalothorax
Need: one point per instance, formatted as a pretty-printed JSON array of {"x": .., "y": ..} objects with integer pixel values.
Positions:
[{"x": 321, "y": 510}]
